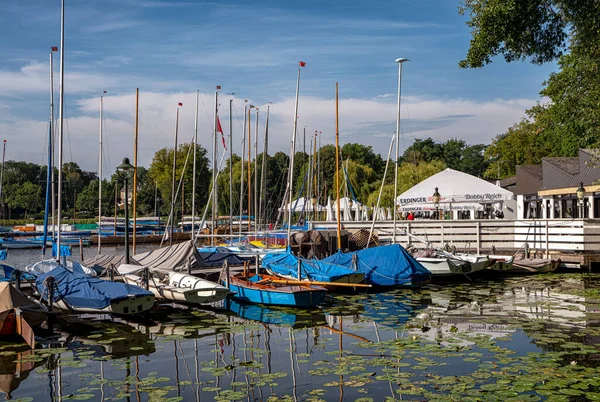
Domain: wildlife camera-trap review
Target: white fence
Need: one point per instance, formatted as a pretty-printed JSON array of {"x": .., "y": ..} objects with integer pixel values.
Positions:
[{"x": 503, "y": 234}]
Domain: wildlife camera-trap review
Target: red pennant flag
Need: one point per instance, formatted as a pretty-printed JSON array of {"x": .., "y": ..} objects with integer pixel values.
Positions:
[
  {"x": 54, "y": 49},
  {"x": 180, "y": 104},
  {"x": 220, "y": 130},
  {"x": 302, "y": 64},
  {"x": 218, "y": 87}
]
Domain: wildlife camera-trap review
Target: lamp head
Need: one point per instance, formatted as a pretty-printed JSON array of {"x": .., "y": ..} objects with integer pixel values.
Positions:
[
  {"x": 436, "y": 196},
  {"x": 580, "y": 192},
  {"x": 126, "y": 168}
]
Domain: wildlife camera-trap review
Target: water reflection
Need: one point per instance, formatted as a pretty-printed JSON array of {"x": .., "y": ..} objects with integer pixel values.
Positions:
[{"x": 525, "y": 336}]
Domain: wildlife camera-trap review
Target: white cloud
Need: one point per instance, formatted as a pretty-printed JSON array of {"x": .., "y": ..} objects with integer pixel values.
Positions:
[{"x": 367, "y": 121}]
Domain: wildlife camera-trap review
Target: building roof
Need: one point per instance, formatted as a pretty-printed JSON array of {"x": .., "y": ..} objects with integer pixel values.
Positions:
[
  {"x": 529, "y": 179},
  {"x": 568, "y": 165},
  {"x": 508, "y": 182}
]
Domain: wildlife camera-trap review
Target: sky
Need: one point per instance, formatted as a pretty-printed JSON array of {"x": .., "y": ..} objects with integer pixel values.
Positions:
[{"x": 170, "y": 49}]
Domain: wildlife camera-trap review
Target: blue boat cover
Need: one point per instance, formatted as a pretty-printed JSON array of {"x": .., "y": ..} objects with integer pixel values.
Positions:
[
  {"x": 216, "y": 259},
  {"x": 65, "y": 251},
  {"x": 7, "y": 273},
  {"x": 384, "y": 265},
  {"x": 3, "y": 254},
  {"x": 83, "y": 291},
  {"x": 286, "y": 264}
]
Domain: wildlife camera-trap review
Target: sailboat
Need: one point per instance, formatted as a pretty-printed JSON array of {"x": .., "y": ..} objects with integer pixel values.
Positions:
[
  {"x": 71, "y": 289},
  {"x": 174, "y": 286}
]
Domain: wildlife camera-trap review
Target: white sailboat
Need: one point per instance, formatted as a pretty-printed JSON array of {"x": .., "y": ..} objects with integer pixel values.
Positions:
[{"x": 174, "y": 286}]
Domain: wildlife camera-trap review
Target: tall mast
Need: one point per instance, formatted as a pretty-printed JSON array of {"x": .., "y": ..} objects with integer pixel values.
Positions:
[
  {"x": 214, "y": 167},
  {"x": 60, "y": 123},
  {"x": 337, "y": 168},
  {"x": 249, "y": 168},
  {"x": 53, "y": 190},
  {"x": 319, "y": 173},
  {"x": 135, "y": 166},
  {"x": 263, "y": 174},
  {"x": 172, "y": 213},
  {"x": 315, "y": 189},
  {"x": 230, "y": 168},
  {"x": 242, "y": 169},
  {"x": 293, "y": 151},
  {"x": 256, "y": 214},
  {"x": 2, "y": 176},
  {"x": 194, "y": 171},
  {"x": 100, "y": 177},
  {"x": 400, "y": 61}
]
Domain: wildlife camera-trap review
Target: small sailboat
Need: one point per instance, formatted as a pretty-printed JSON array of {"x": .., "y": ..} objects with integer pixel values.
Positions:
[
  {"x": 74, "y": 291},
  {"x": 174, "y": 286},
  {"x": 287, "y": 265},
  {"x": 19, "y": 314},
  {"x": 268, "y": 289},
  {"x": 389, "y": 265}
]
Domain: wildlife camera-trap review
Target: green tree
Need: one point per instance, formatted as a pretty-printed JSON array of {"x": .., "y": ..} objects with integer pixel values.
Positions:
[
  {"x": 426, "y": 150},
  {"x": 25, "y": 196}
]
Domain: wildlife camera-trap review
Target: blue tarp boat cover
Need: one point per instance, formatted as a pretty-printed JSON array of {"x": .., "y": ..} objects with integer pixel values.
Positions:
[
  {"x": 3, "y": 254},
  {"x": 82, "y": 291},
  {"x": 286, "y": 264},
  {"x": 7, "y": 273},
  {"x": 384, "y": 265},
  {"x": 216, "y": 259}
]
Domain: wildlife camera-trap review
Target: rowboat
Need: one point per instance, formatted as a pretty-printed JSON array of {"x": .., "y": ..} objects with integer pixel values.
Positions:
[
  {"x": 268, "y": 289},
  {"x": 174, "y": 286},
  {"x": 77, "y": 292}
]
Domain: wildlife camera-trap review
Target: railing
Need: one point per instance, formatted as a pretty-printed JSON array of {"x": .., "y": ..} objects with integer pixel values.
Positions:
[{"x": 503, "y": 234}]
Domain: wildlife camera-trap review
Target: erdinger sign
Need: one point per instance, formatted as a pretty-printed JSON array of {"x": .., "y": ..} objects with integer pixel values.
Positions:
[{"x": 418, "y": 200}]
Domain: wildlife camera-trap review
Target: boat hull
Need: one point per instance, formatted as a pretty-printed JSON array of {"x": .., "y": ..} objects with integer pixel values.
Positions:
[
  {"x": 172, "y": 293},
  {"x": 296, "y": 296},
  {"x": 129, "y": 306},
  {"x": 444, "y": 266}
]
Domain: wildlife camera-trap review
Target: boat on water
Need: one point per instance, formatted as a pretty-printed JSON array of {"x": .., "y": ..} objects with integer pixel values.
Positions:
[
  {"x": 276, "y": 315},
  {"x": 19, "y": 314},
  {"x": 268, "y": 289},
  {"x": 76, "y": 292},
  {"x": 37, "y": 242},
  {"x": 174, "y": 286},
  {"x": 287, "y": 265},
  {"x": 45, "y": 266},
  {"x": 389, "y": 265},
  {"x": 532, "y": 266}
]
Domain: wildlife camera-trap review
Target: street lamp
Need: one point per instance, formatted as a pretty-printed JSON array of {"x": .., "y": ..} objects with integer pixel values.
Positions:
[
  {"x": 580, "y": 197},
  {"x": 126, "y": 170},
  {"x": 436, "y": 202}
]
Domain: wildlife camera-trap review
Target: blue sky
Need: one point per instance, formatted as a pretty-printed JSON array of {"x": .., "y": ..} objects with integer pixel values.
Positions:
[{"x": 171, "y": 48}]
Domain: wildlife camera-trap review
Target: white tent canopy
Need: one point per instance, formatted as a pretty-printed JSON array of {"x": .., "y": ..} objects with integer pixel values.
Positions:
[
  {"x": 302, "y": 204},
  {"x": 458, "y": 191}
]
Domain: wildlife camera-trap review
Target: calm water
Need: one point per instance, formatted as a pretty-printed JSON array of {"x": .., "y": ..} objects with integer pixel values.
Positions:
[{"x": 526, "y": 338}]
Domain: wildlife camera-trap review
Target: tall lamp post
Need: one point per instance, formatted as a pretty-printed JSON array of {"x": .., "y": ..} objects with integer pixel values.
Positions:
[
  {"x": 580, "y": 197},
  {"x": 126, "y": 170},
  {"x": 436, "y": 202}
]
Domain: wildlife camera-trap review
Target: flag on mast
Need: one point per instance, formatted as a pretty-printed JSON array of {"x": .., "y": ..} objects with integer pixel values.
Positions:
[
  {"x": 302, "y": 64},
  {"x": 220, "y": 130}
]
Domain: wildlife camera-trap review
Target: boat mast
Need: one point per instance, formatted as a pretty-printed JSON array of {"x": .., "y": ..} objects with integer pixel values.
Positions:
[
  {"x": 2, "y": 176},
  {"x": 263, "y": 173},
  {"x": 230, "y": 168},
  {"x": 337, "y": 168},
  {"x": 60, "y": 123},
  {"x": 135, "y": 166},
  {"x": 249, "y": 168},
  {"x": 194, "y": 171},
  {"x": 256, "y": 214},
  {"x": 293, "y": 152},
  {"x": 214, "y": 167},
  {"x": 242, "y": 168},
  {"x": 399, "y": 61},
  {"x": 314, "y": 173},
  {"x": 172, "y": 212},
  {"x": 100, "y": 178},
  {"x": 53, "y": 190}
]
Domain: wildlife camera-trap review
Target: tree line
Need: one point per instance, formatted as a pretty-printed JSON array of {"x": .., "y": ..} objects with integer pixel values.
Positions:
[{"x": 361, "y": 175}]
